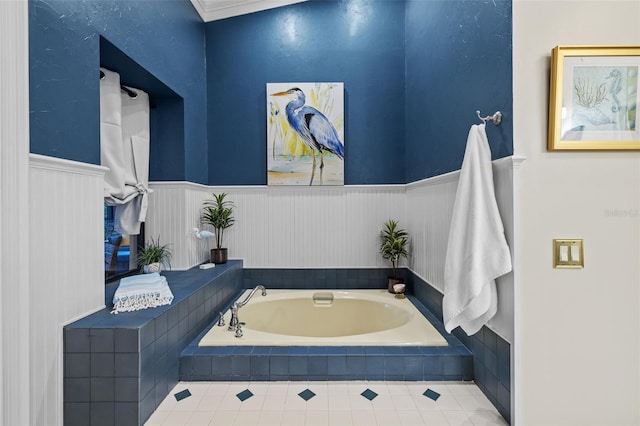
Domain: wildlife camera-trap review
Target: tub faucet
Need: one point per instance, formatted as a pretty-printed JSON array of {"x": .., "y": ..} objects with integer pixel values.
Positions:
[{"x": 233, "y": 322}]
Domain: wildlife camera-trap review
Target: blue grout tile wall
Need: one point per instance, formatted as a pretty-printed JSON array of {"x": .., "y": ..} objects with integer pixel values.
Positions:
[
  {"x": 491, "y": 353},
  {"x": 119, "y": 368},
  {"x": 311, "y": 279}
]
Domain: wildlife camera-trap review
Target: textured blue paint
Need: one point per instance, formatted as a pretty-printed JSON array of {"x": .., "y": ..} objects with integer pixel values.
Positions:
[
  {"x": 166, "y": 118},
  {"x": 458, "y": 61},
  {"x": 414, "y": 74},
  {"x": 412, "y": 83},
  {"x": 360, "y": 43},
  {"x": 166, "y": 38}
]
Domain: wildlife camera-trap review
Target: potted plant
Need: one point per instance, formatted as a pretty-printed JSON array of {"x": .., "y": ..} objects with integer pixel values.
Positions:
[
  {"x": 153, "y": 256},
  {"x": 393, "y": 246},
  {"x": 219, "y": 214}
]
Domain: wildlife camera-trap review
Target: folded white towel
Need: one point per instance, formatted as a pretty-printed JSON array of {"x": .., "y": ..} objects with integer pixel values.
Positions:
[
  {"x": 477, "y": 251},
  {"x": 141, "y": 292}
]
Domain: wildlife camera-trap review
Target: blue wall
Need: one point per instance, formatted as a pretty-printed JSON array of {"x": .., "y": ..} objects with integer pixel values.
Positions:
[
  {"x": 458, "y": 61},
  {"x": 165, "y": 38},
  {"x": 415, "y": 72},
  {"x": 358, "y": 43}
]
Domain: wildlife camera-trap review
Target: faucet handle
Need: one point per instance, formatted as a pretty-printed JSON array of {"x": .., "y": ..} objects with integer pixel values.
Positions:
[
  {"x": 221, "y": 320},
  {"x": 239, "y": 330}
]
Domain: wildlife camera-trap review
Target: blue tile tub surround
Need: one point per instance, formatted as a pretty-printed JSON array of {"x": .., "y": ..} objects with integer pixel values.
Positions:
[
  {"x": 317, "y": 279},
  {"x": 299, "y": 363},
  {"x": 118, "y": 368},
  {"x": 491, "y": 353}
]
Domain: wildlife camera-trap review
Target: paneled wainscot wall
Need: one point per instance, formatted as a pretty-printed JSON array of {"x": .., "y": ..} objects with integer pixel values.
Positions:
[{"x": 66, "y": 261}]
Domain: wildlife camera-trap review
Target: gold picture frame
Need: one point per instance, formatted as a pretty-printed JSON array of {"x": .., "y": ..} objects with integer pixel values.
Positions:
[{"x": 594, "y": 98}]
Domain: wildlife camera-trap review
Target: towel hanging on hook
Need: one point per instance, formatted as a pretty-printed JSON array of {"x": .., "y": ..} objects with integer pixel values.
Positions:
[{"x": 496, "y": 118}]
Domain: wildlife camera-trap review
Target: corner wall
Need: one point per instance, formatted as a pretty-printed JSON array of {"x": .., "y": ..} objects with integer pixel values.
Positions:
[
  {"x": 14, "y": 215},
  {"x": 457, "y": 60},
  {"x": 66, "y": 269},
  {"x": 577, "y": 331}
]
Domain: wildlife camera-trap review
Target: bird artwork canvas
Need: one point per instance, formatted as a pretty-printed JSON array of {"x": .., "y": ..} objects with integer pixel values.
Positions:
[{"x": 305, "y": 134}]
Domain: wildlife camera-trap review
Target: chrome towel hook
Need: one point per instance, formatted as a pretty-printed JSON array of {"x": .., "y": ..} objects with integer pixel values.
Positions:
[{"x": 496, "y": 118}]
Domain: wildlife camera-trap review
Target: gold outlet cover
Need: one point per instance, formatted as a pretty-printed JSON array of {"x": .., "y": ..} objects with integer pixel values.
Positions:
[{"x": 568, "y": 254}]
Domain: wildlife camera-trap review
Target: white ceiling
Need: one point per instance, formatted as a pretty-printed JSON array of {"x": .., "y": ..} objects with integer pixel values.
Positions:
[{"x": 212, "y": 10}]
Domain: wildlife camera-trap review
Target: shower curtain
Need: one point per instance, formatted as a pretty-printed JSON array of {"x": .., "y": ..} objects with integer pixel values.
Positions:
[{"x": 124, "y": 149}]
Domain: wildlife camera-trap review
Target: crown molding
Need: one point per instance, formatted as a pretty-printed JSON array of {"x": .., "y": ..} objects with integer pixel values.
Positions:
[{"x": 213, "y": 10}]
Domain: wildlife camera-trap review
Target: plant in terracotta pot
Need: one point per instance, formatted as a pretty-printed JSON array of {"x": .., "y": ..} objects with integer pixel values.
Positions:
[
  {"x": 393, "y": 246},
  {"x": 153, "y": 256},
  {"x": 218, "y": 213}
]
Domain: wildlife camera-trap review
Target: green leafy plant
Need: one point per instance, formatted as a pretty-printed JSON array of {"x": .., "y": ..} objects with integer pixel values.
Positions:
[
  {"x": 393, "y": 244},
  {"x": 154, "y": 252},
  {"x": 219, "y": 214}
]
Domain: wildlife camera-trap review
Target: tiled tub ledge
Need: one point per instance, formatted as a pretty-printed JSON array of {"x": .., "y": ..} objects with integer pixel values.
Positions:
[
  {"x": 291, "y": 363},
  {"x": 119, "y": 368}
]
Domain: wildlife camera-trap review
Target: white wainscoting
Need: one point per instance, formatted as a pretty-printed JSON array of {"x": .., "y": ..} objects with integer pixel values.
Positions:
[
  {"x": 14, "y": 209},
  {"x": 429, "y": 208},
  {"x": 279, "y": 227},
  {"x": 66, "y": 242}
]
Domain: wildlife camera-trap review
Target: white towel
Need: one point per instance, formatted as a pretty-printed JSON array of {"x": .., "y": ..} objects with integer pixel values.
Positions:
[
  {"x": 477, "y": 251},
  {"x": 132, "y": 210},
  {"x": 124, "y": 149},
  {"x": 141, "y": 292},
  {"x": 111, "y": 149}
]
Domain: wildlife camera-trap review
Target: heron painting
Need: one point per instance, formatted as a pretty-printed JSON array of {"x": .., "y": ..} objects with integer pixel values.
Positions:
[{"x": 305, "y": 133}]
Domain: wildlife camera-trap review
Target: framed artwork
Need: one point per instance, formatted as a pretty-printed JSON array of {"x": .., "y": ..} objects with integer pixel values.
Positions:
[
  {"x": 305, "y": 134},
  {"x": 593, "y": 98}
]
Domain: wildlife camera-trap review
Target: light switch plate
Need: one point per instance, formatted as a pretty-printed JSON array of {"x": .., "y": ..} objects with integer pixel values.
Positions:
[{"x": 568, "y": 254}]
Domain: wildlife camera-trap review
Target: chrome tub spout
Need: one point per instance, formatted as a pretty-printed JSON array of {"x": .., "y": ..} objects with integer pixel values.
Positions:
[{"x": 233, "y": 322}]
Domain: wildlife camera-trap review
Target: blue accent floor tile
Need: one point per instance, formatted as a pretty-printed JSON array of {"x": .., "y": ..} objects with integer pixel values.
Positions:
[
  {"x": 306, "y": 394},
  {"x": 245, "y": 394},
  {"x": 431, "y": 394},
  {"x": 369, "y": 394},
  {"x": 182, "y": 395}
]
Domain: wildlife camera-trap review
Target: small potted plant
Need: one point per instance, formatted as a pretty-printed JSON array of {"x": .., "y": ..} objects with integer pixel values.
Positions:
[
  {"x": 154, "y": 256},
  {"x": 218, "y": 213},
  {"x": 393, "y": 247}
]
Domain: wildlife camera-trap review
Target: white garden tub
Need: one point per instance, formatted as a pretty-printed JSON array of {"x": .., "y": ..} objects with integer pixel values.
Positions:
[{"x": 327, "y": 318}]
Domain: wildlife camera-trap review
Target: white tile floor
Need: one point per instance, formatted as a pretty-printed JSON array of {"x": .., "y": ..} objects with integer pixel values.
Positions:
[{"x": 334, "y": 403}]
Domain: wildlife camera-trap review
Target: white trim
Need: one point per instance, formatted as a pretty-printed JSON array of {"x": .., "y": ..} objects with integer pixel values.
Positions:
[
  {"x": 516, "y": 160},
  {"x": 193, "y": 185},
  {"x": 15, "y": 291},
  {"x": 61, "y": 165},
  {"x": 212, "y": 10},
  {"x": 434, "y": 180}
]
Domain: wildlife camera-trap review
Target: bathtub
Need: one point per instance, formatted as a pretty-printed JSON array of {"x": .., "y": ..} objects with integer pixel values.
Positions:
[{"x": 327, "y": 318}]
